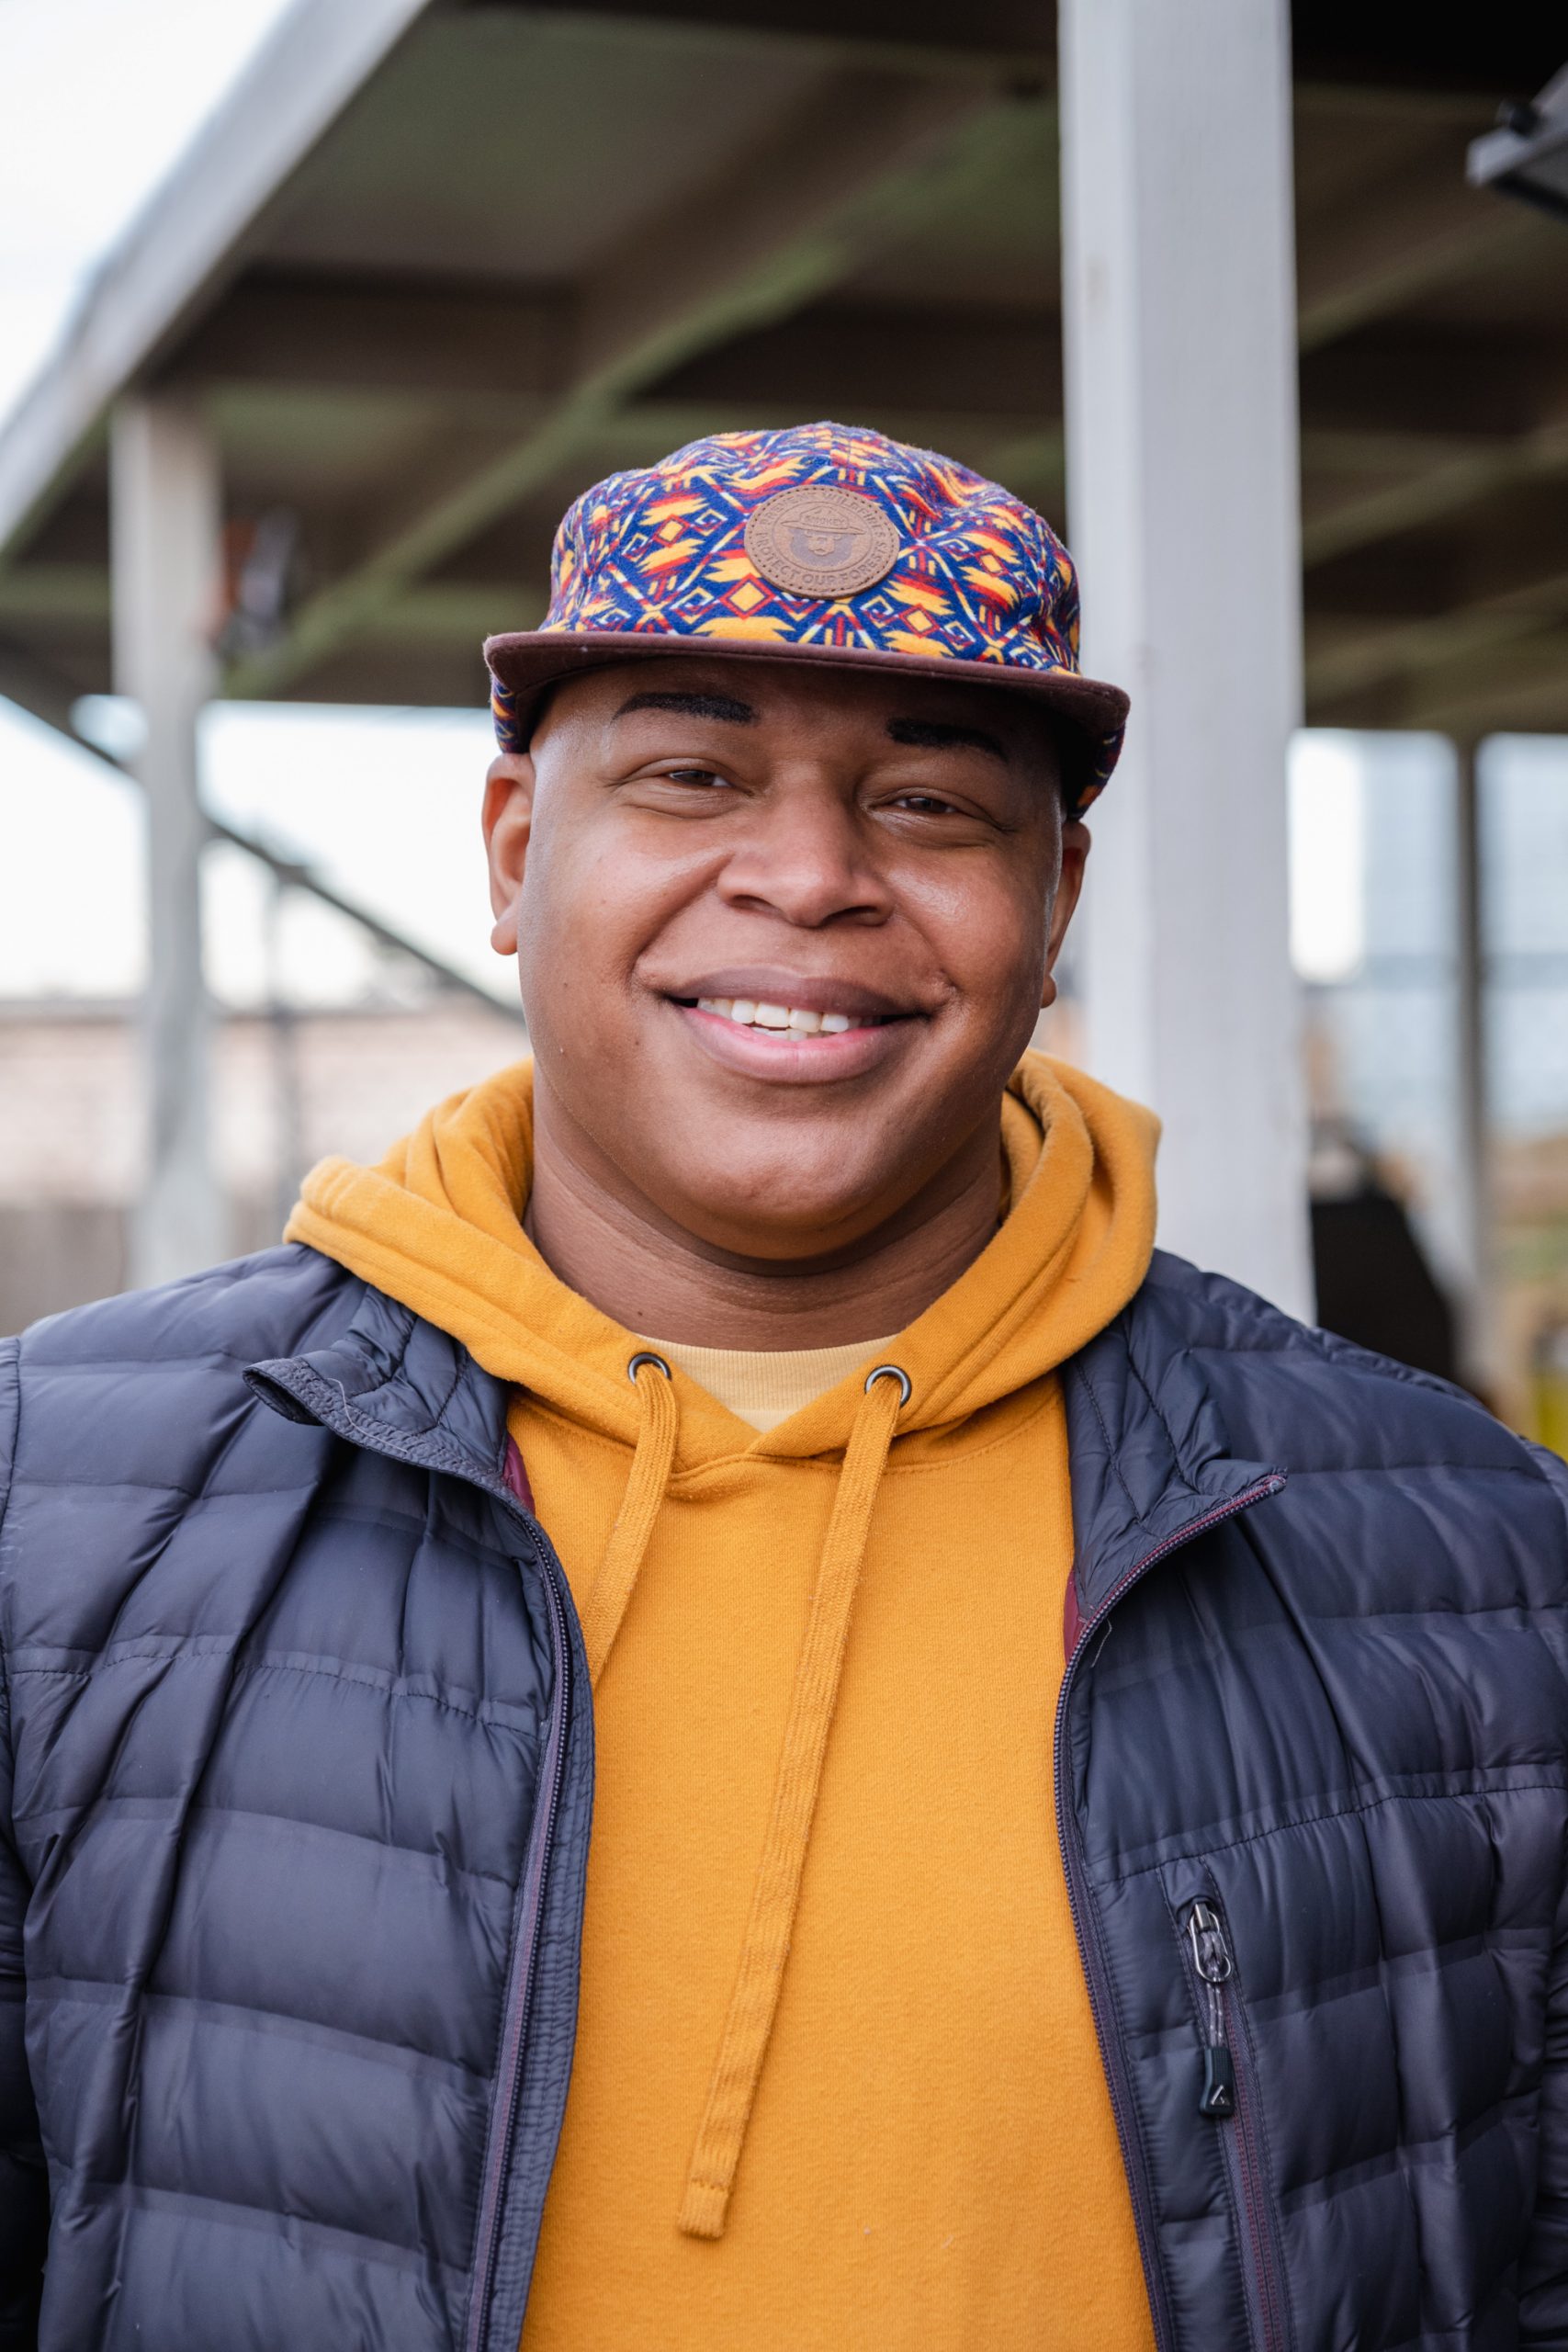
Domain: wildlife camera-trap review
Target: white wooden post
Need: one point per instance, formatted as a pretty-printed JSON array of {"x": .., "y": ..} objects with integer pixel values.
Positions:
[
  {"x": 1179, "y": 301},
  {"x": 165, "y": 522},
  {"x": 1478, "y": 1352}
]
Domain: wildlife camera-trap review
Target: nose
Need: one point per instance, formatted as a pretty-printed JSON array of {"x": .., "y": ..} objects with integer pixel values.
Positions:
[{"x": 806, "y": 860}]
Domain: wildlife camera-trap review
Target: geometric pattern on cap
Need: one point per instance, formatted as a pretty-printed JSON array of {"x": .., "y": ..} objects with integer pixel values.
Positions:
[{"x": 979, "y": 576}]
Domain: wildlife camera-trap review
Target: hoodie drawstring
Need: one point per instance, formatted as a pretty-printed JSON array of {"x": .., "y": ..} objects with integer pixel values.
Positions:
[
  {"x": 776, "y": 1893},
  {"x": 769, "y": 1929},
  {"x": 651, "y": 1464}
]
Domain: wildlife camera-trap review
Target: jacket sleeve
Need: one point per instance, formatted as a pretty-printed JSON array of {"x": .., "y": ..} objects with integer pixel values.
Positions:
[
  {"x": 24, "y": 2182},
  {"x": 1544, "y": 2273}
]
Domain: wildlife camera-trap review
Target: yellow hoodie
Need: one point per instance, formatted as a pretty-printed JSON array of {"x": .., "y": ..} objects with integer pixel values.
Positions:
[{"x": 837, "y": 2083}]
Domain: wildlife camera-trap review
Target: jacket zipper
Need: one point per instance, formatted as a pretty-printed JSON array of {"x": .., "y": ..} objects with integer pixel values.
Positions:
[
  {"x": 519, "y": 1990},
  {"x": 1086, "y": 1924},
  {"x": 1228, "y": 2097}
]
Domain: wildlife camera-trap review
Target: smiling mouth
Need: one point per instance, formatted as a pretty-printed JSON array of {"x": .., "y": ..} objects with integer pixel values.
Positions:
[{"x": 794, "y": 1020}]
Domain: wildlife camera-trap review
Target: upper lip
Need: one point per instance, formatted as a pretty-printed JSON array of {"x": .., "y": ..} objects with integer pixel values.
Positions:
[{"x": 765, "y": 984}]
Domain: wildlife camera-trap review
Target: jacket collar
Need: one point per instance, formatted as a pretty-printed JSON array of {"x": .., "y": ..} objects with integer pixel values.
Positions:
[
  {"x": 1150, "y": 1458},
  {"x": 1150, "y": 1462},
  {"x": 394, "y": 1383}
]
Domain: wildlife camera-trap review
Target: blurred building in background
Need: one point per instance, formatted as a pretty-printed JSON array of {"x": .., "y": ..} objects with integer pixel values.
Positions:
[
  {"x": 433, "y": 267},
  {"x": 287, "y": 1089}
]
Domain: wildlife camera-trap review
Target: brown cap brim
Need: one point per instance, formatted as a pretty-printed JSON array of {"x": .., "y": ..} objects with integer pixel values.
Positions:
[{"x": 527, "y": 660}]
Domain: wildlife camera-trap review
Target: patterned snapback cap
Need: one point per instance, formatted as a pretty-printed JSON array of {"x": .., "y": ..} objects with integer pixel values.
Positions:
[{"x": 820, "y": 543}]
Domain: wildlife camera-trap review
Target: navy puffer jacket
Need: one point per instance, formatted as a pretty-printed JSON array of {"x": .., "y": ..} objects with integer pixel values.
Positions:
[{"x": 296, "y": 1777}]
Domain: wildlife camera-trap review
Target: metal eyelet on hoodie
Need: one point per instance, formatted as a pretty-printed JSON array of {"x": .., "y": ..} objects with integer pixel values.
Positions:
[
  {"x": 653, "y": 1460},
  {"x": 891, "y": 1372}
]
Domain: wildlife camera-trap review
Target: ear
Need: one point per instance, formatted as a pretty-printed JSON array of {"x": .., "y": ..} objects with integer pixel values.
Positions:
[
  {"x": 1075, "y": 851},
  {"x": 508, "y": 821}
]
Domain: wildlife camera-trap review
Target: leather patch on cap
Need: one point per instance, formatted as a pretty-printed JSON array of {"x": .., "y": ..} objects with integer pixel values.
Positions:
[{"x": 818, "y": 541}]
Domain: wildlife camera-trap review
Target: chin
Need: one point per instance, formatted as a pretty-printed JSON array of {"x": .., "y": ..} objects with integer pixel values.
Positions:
[{"x": 777, "y": 1216}]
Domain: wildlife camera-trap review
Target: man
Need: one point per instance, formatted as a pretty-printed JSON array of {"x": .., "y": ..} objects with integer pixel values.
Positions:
[{"x": 1078, "y": 1761}]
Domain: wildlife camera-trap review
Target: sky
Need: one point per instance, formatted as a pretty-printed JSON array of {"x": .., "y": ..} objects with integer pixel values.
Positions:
[
  {"x": 351, "y": 791},
  {"x": 87, "y": 131},
  {"x": 383, "y": 803}
]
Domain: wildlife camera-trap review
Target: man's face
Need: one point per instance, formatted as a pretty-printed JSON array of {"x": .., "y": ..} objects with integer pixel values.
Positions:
[{"x": 783, "y": 932}]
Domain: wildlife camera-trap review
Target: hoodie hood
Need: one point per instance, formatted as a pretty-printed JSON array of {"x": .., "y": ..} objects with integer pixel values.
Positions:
[{"x": 437, "y": 1226}]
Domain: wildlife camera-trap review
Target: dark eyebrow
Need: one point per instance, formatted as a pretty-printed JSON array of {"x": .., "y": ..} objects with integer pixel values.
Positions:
[
  {"x": 695, "y": 705},
  {"x": 940, "y": 735}
]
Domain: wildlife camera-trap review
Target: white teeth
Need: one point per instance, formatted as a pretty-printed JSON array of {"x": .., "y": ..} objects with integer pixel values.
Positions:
[{"x": 799, "y": 1019}]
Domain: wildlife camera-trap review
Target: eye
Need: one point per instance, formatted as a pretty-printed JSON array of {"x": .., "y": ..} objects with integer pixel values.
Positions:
[
  {"x": 697, "y": 776},
  {"x": 924, "y": 804}
]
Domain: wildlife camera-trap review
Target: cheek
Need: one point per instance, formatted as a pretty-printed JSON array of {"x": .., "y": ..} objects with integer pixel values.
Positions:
[
  {"x": 590, "y": 905},
  {"x": 560, "y": 936},
  {"x": 988, "y": 931}
]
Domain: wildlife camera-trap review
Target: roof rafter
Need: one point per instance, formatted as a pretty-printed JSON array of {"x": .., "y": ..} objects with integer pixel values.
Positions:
[
  {"x": 1438, "y": 379},
  {"x": 319, "y": 331},
  {"x": 909, "y": 36},
  {"x": 1518, "y": 687},
  {"x": 1447, "y": 488},
  {"x": 1378, "y": 247},
  {"x": 331, "y": 332},
  {"x": 1476, "y": 415},
  {"x": 1362, "y": 660}
]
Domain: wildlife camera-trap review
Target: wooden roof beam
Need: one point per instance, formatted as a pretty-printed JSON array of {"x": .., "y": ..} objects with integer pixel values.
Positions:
[
  {"x": 74, "y": 598},
  {"x": 1484, "y": 413},
  {"x": 74, "y": 595},
  {"x": 1520, "y": 683},
  {"x": 1358, "y": 660},
  {"x": 318, "y": 332},
  {"x": 903, "y": 35},
  {"x": 1515, "y": 688},
  {"x": 1378, "y": 247},
  {"x": 875, "y": 358},
  {"x": 1446, "y": 382},
  {"x": 1448, "y": 488},
  {"x": 325, "y": 333}
]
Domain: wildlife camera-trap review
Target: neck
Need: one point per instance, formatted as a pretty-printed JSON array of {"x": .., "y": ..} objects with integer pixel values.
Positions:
[{"x": 616, "y": 1249}]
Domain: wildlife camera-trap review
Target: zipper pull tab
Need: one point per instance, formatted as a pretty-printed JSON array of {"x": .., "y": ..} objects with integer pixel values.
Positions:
[
  {"x": 1217, "y": 2099},
  {"x": 1211, "y": 1957}
]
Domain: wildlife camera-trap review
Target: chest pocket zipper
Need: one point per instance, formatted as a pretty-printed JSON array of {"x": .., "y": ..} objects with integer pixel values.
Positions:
[{"x": 1227, "y": 2097}]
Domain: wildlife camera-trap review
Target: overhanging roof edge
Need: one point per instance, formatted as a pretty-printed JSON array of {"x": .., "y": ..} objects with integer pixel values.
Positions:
[{"x": 312, "y": 63}]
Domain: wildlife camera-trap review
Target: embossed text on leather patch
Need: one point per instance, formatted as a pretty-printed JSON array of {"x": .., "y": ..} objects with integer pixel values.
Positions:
[{"x": 818, "y": 541}]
